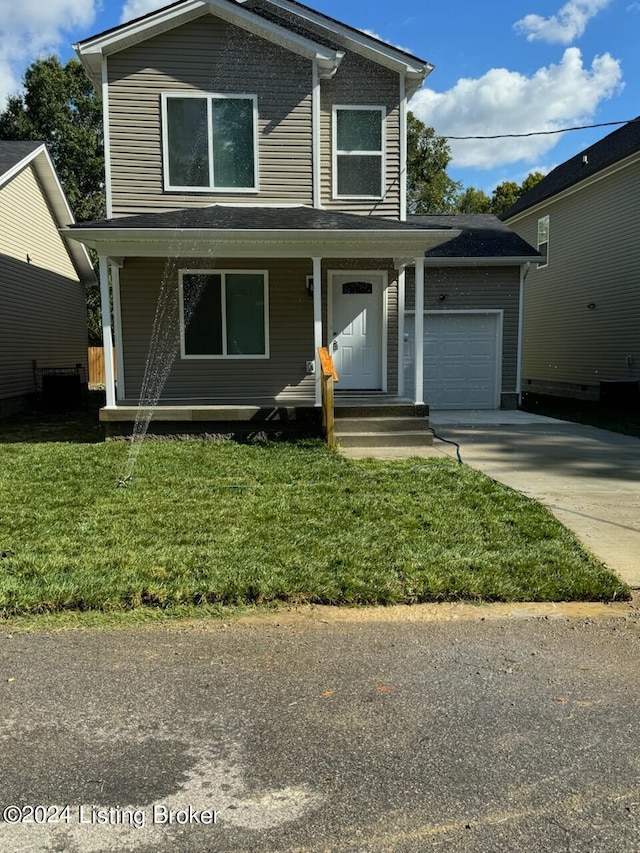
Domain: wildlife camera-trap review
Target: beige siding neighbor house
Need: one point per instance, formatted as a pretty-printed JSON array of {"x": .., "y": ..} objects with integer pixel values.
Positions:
[
  {"x": 257, "y": 211},
  {"x": 43, "y": 318},
  {"x": 582, "y": 307}
]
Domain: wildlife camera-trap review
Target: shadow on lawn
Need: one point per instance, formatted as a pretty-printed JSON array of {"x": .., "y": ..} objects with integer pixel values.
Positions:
[{"x": 38, "y": 426}]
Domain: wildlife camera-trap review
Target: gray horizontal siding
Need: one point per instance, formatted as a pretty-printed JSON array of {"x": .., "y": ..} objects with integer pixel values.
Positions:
[
  {"x": 359, "y": 82},
  {"x": 290, "y": 334},
  {"x": 476, "y": 288},
  {"x": 594, "y": 257},
  {"x": 208, "y": 55},
  {"x": 42, "y": 304},
  {"x": 290, "y": 331}
]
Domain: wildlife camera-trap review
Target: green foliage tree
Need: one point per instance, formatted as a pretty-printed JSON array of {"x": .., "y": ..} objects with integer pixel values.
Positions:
[
  {"x": 504, "y": 195},
  {"x": 508, "y": 192},
  {"x": 472, "y": 200},
  {"x": 429, "y": 187},
  {"x": 59, "y": 106}
]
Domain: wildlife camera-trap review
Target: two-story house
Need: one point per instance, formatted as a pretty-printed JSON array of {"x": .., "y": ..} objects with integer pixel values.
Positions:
[
  {"x": 582, "y": 305},
  {"x": 256, "y": 193}
]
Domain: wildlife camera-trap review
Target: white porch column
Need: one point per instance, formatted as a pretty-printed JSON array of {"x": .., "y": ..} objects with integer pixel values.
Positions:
[
  {"x": 419, "y": 334},
  {"x": 107, "y": 338},
  {"x": 401, "y": 308},
  {"x": 317, "y": 323}
]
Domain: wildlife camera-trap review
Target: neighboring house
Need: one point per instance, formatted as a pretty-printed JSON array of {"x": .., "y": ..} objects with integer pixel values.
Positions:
[
  {"x": 582, "y": 307},
  {"x": 256, "y": 191},
  {"x": 43, "y": 316}
]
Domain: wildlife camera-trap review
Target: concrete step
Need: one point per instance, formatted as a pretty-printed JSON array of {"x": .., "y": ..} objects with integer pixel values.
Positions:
[
  {"x": 414, "y": 438},
  {"x": 381, "y": 425}
]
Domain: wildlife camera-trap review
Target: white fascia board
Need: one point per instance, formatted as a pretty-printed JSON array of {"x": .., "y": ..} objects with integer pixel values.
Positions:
[
  {"x": 504, "y": 261},
  {"x": 540, "y": 206},
  {"x": 366, "y": 46},
  {"x": 253, "y": 243},
  {"x": 15, "y": 170},
  {"x": 91, "y": 51}
]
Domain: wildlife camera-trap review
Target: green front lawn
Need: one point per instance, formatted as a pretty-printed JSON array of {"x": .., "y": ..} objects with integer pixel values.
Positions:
[{"x": 229, "y": 524}]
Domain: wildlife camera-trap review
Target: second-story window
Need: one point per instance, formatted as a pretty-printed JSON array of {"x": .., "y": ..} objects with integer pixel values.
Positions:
[
  {"x": 210, "y": 142},
  {"x": 358, "y": 152},
  {"x": 543, "y": 240}
]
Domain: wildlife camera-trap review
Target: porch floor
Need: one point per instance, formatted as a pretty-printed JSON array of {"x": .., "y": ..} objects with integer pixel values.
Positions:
[{"x": 261, "y": 408}]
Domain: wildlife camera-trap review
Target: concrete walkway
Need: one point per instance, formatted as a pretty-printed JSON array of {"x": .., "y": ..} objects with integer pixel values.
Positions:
[{"x": 589, "y": 478}]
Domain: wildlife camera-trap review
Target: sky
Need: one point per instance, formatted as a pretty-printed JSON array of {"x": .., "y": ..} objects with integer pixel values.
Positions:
[{"x": 501, "y": 67}]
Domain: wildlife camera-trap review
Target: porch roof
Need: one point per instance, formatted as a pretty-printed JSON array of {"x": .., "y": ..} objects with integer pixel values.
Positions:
[{"x": 260, "y": 231}]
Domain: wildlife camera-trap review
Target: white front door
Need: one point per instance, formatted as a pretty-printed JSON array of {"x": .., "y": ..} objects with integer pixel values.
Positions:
[{"x": 356, "y": 331}]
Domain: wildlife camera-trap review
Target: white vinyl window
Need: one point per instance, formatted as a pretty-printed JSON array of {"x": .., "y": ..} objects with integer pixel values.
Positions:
[
  {"x": 358, "y": 152},
  {"x": 224, "y": 313},
  {"x": 543, "y": 240},
  {"x": 210, "y": 142}
]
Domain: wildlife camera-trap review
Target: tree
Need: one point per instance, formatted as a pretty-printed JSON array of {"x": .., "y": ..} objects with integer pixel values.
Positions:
[
  {"x": 473, "y": 201},
  {"x": 429, "y": 187},
  {"x": 504, "y": 195},
  {"x": 508, "y": 192},
  {"x": 60, "y": 107}
]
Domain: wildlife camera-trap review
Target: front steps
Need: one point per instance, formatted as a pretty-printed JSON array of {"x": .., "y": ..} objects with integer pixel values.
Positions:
[{"x": 382, "y": 426}]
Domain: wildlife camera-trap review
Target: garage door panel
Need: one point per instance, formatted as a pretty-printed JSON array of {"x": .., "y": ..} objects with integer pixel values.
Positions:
[{"x": 460, "y": 360}]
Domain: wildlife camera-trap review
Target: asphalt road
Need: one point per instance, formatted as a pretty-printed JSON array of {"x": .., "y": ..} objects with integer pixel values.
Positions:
[{"x": 312, "y": 733}]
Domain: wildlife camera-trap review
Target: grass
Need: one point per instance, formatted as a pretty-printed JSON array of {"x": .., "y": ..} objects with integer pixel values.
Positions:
[
  {"x": 623, "y": 420},
  {"x": 227, "y": 525}
]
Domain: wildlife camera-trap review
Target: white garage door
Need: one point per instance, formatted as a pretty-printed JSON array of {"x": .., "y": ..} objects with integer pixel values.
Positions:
[{"x": 461, "y": 360}]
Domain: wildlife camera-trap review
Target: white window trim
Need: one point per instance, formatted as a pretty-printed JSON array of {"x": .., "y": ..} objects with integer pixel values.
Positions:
[
  {"x": 224, "y": 356},
  {"x": 209, "y": 97},
  {"x": 548, "y": 240},
  {"x": 381, "y": 154}
]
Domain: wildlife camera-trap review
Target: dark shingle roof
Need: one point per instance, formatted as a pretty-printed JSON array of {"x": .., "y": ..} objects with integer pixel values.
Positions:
[
  {"x": 12, "y": 153},
  {"x": 228, "y": 218},
  {"x": 614, "y": 147},
  {"x": 284, "y": 20},
  {"x": 483, "y": 236}
]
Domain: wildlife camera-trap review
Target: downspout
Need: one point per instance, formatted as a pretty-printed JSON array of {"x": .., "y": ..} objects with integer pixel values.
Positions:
[
  {"x": 403, "y": 149},
  {"x": 524, "y": 272},
  {"x": 107, "y": 138},
  {"x": 315, "y": 135}
]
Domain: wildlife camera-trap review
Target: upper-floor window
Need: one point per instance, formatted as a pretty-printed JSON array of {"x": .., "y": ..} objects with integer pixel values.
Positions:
[
  {"x": 543, "y": 240},
  {"x": 358, "y": 152},
  {"x": 210, "y": 142}
]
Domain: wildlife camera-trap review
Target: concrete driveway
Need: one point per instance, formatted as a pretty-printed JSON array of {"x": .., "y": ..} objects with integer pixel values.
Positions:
[{"x": 589, "y": 478}]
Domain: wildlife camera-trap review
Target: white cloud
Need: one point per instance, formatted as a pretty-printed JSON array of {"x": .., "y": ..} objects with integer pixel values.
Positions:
[
  {"x": 386, "y": 41},
  {"x": 563, "y": 28},
  {"x": 31, "y": 28},
  {"x": 137, "y": 8},
  {"x": 503, "y": 101}
]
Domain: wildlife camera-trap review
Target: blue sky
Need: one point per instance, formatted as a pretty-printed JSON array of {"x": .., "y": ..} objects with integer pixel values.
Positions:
[{"x": 501, "y": 67}]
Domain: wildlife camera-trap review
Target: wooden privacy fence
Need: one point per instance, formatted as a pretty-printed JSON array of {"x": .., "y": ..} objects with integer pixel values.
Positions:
[
  {"x": 96, "y": 366},
  {"x": 328, "y": 376}
]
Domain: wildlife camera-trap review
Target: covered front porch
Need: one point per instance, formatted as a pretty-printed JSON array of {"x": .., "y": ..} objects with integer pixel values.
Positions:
[{"x": 274, "y": 297}]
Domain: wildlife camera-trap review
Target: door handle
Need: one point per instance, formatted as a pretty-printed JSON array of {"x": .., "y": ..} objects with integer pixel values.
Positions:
[{"x": 335, "y": 346}]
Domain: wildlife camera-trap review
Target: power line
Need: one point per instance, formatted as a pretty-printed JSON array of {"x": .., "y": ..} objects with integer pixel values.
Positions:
[{"x": 544, "y": 132}]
